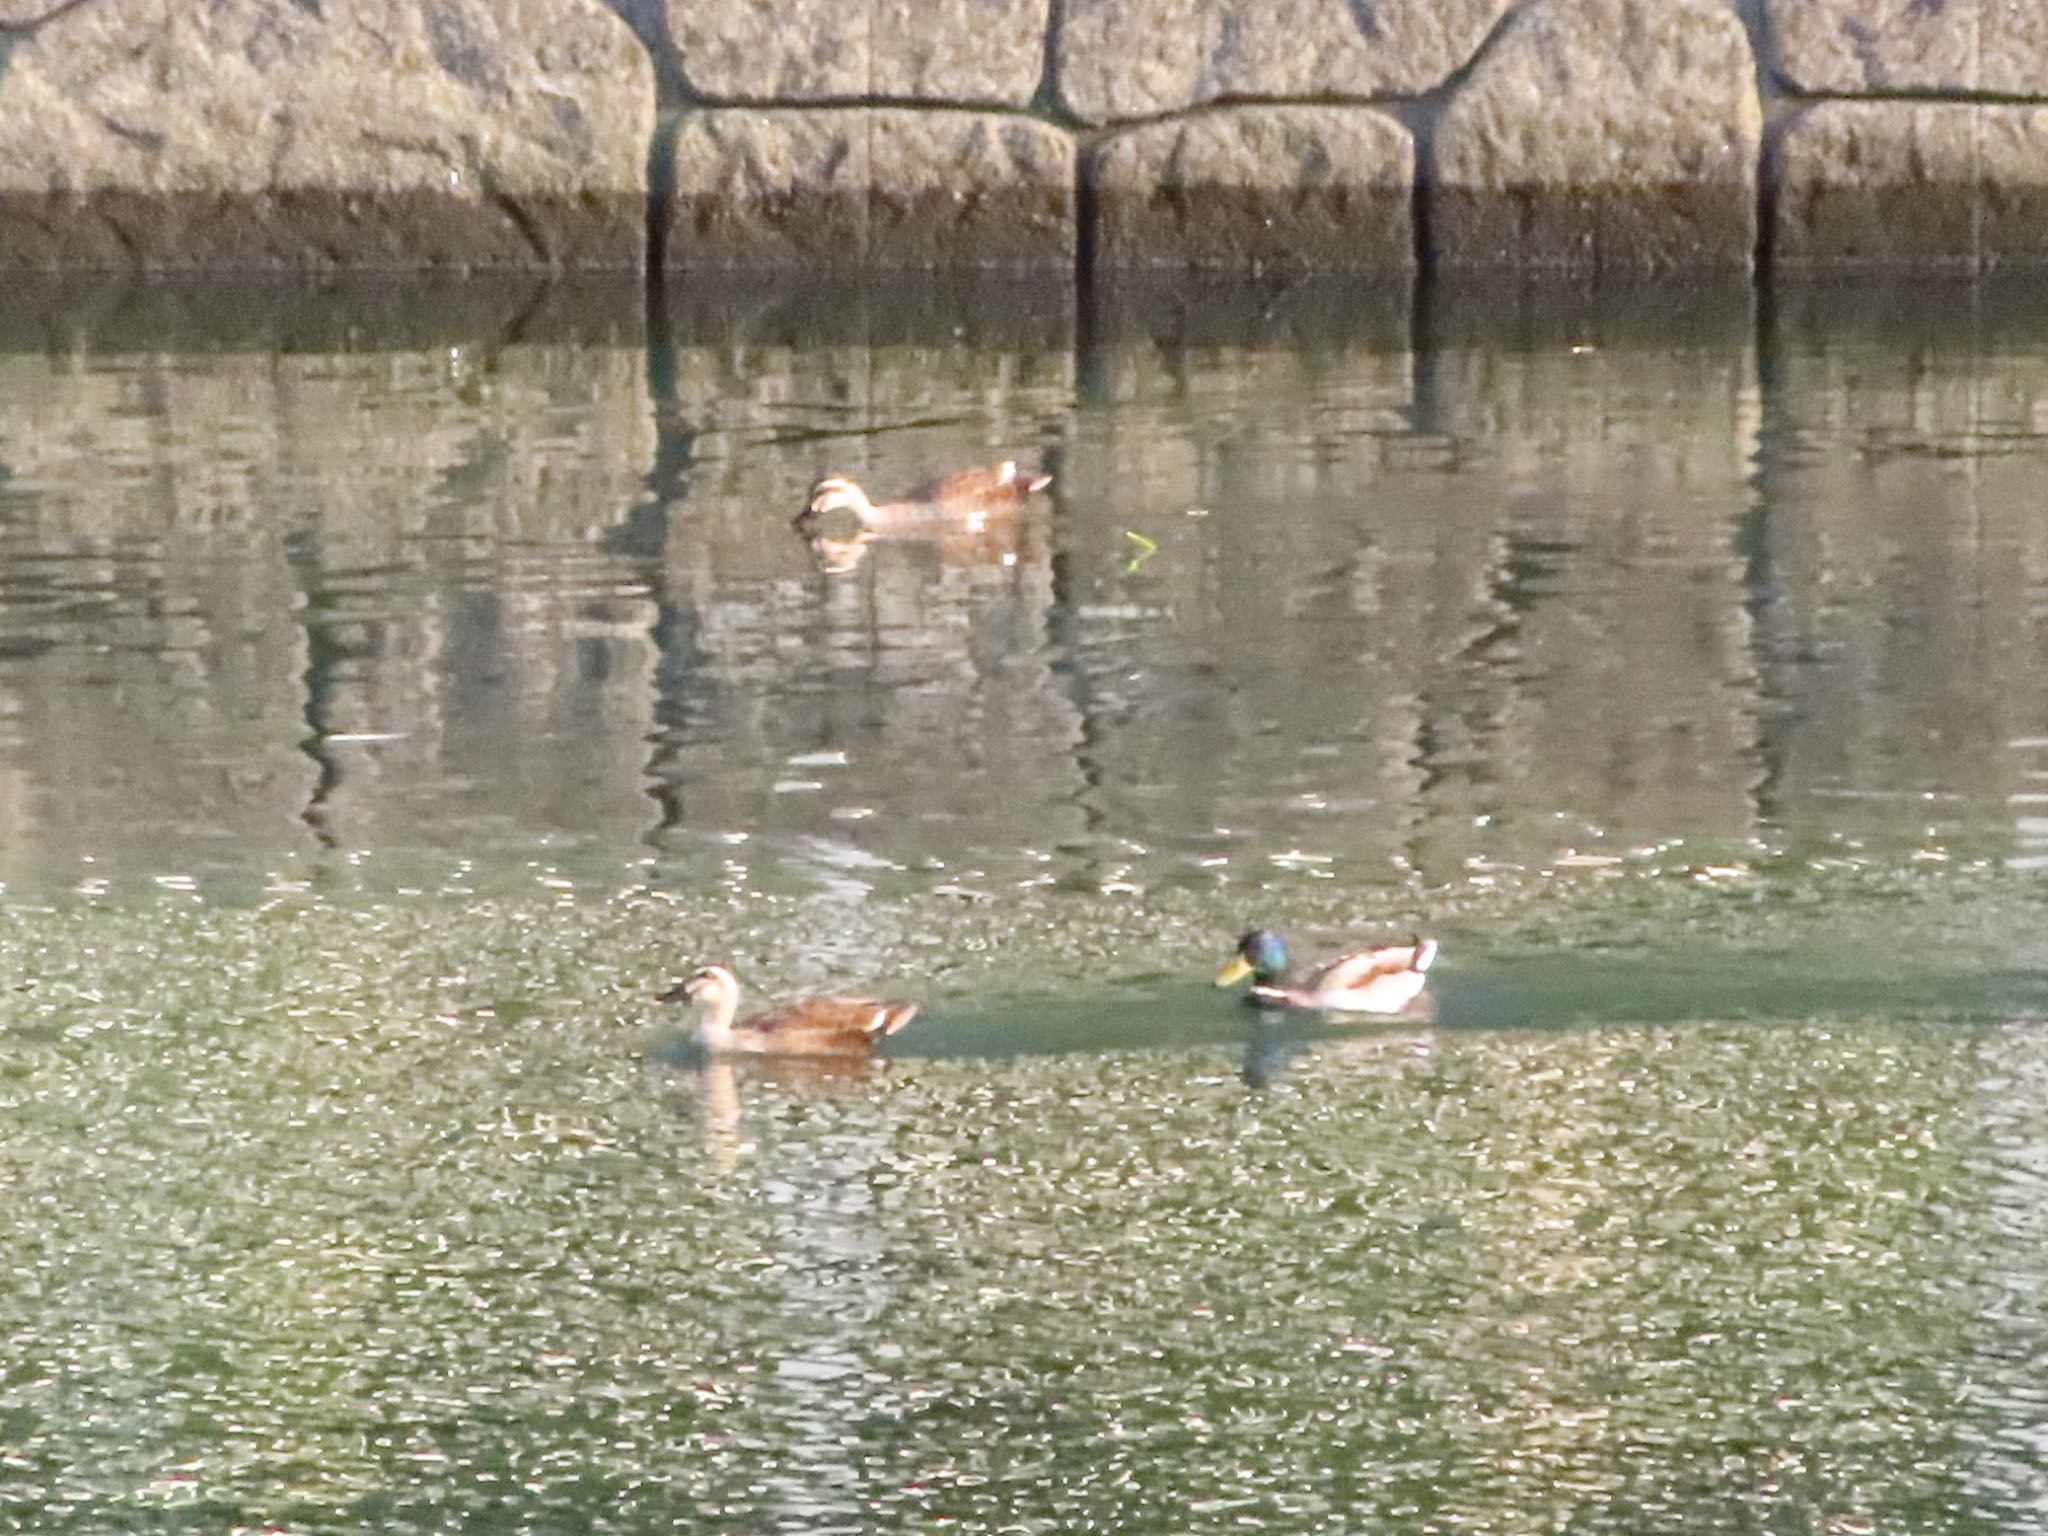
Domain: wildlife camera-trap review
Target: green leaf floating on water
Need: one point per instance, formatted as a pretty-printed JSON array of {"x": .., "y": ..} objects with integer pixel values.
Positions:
[{"x": 1146, "y": 548}]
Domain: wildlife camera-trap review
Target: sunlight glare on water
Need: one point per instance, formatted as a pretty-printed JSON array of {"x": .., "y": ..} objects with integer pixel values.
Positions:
[{"x": 323, "y": 1227}]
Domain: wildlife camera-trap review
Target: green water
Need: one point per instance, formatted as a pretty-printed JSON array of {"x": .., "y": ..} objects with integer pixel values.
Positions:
[
  {"x": 398, "y": 688},
  {"x": 411, "y": 1215}
]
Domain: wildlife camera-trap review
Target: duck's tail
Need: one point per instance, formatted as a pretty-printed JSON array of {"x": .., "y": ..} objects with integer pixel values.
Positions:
[
  {"x": 1027, "y": 482},
  {"x": 889, "y": 1018}
]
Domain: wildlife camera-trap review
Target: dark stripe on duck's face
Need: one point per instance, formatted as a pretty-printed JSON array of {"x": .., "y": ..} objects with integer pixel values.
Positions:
[{"x": 694, "y": 986}]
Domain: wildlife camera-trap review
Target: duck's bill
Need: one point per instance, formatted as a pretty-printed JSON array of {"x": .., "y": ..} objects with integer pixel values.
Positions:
[
  {"x": 679, "y": 993},
  {"x": 1236, "y": 971}
]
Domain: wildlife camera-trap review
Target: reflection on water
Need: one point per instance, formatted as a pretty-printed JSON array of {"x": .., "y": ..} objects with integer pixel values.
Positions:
[
  {"x": 417, "y": 680},
  {"x": 1423, "y": 589}
]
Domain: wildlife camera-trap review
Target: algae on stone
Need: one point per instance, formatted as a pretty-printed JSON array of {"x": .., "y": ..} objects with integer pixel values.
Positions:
[
  {"x": 1603, "y": 134},
  {"x": 1246, "y": 186},
  {"x": 262, "y": 133},
  {"x": 882, "y": 186},
  {"x": 1954, "y": 185}
]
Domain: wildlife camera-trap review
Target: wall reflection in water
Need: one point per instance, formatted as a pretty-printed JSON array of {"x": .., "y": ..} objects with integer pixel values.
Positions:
[{"x": 1391, "y": 581}]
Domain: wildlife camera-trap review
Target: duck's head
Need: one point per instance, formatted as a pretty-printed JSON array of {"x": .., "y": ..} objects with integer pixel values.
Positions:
[
  {"x": 835, "y": 493},
  {"x": 1261, "y": 955},
  {"x": 713, "y": 984}
]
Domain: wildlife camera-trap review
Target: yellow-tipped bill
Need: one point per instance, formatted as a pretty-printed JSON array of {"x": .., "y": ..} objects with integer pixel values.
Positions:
[{"x": 1236, "y": 971}]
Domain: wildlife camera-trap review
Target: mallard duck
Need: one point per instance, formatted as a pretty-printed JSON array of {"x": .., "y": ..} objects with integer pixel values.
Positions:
[
  {"x": 969, "y": 499},
  {"x": 810, "y": 1026},
  {"x": 1385, "y": 980}
]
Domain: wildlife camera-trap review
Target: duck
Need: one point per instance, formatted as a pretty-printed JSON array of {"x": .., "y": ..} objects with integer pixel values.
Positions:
[
  {"x": 811, "y": 1026},
  {"x": 968, "y": 499},
  {"x": 1388, "y": 979}
]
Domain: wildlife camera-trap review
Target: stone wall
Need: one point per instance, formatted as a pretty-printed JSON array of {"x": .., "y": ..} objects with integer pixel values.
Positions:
[{"x": 1572, "y": 135}]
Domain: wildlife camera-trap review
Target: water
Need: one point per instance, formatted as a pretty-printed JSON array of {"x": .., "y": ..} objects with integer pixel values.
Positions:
[{"x": 399, "y": 684}]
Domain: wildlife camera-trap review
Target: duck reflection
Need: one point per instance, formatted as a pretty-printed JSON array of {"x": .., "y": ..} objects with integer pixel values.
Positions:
[
  {"x": 1270, "y": 1049},
  {"x": 1004, "y": 545},
  {"x": 1278, "y": 1042},
  {"x": 720, "y": 1082},
  {"x": 816, "y": 1247},
  {"x": 838, "y": 556}
]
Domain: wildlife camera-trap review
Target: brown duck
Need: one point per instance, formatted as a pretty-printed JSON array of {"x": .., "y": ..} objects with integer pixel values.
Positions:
[
  {"x": 968, "y": 500},
  {"x": 811, "y": 1026}
]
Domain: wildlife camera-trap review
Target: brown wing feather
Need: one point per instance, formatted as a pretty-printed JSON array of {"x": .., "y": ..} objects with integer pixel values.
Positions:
[
  {"x": 826, "y": 1024},
  {"x": 989, "y": 488},
  {"x": 961, "y": 485},
  {"x": 1349, "y": 971}
]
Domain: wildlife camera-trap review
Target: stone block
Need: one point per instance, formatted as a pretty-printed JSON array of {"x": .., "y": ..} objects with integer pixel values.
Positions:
[
  {"x": 983, "y": 52},
  {"x": 264, "y": 133},
  {"x": 871, "y": 187},
  {"x": 769, "y": 189},
  {"x": 1253, "y": 186},
  {"x": 1117, "y": 59},
  {"x": 1603, "y": 135},
  {"x": 1996, "y": 46},
  {"x": 1934, "y": 185}
]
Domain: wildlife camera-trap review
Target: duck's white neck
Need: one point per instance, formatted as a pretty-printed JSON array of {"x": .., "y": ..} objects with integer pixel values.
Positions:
[
  {"x": 838, "y": 494},
  {"x": 720, "y": 999}
]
